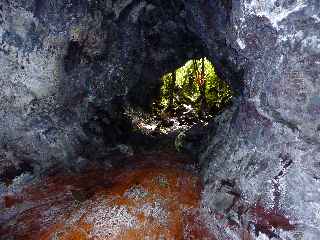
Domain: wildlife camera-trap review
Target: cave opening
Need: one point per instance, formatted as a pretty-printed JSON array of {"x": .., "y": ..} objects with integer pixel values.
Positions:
[
  {"x": 192, "y": 93},
  {"x": 184, "y": 102}
]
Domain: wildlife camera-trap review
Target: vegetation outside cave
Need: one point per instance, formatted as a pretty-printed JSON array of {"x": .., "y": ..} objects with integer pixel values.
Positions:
[
  {"x": 192, "y": 92},
  {"x": 189, "y": 97}
]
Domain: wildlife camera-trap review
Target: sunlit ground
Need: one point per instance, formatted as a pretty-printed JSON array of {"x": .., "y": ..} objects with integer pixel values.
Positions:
[{"x": 153, "y": 196}]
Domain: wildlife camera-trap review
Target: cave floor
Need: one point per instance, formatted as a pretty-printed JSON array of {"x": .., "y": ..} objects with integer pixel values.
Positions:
[{"x": 145, "y": 196}]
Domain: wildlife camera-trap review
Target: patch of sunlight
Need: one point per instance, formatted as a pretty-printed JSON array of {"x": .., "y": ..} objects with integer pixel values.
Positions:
[{"x": 148, "y": 127}]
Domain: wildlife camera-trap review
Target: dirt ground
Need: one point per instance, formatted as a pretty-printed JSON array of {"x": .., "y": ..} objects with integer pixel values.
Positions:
[{"x": 147, "y": 196}]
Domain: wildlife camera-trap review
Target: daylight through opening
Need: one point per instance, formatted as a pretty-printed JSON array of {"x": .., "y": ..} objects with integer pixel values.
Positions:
[
  {"x": 188, "y": 98},
  {"x": 192, "y": 93}
]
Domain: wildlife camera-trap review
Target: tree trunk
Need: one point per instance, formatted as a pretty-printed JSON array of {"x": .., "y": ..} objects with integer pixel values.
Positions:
[
  {"x": 202, "y": 88},
  {"x": 171, "y": 91}
]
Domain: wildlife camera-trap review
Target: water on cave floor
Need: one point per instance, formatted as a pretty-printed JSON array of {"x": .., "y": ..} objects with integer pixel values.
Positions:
[{"x": 149, "y": 196}]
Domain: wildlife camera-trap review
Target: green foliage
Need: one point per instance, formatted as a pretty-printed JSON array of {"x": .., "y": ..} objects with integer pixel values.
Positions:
[{"x": 186, "y": 90}]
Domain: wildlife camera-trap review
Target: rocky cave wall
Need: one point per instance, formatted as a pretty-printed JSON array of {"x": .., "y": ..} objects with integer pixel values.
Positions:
[
  {"x": 67, "y": 66},
  {"x": 266, "y": 149}
]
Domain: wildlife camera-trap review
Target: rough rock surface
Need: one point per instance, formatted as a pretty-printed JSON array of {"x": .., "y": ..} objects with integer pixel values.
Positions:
[
  {"x": 150, "y": 196},
  {"x": 266, "y": 148},
  {"x": 67, "y": 68}
]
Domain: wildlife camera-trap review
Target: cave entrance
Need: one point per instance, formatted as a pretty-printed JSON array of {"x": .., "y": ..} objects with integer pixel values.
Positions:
[
  {"x": 188, "y": 97},
  {"x": 192, "y": 93}
]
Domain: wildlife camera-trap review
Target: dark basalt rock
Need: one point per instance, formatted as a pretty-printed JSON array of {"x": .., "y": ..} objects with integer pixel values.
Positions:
[{"x": 67, "y": 69}]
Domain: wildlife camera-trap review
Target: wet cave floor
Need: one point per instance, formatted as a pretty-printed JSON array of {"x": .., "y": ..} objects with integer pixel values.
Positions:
[{"x": 146, "y": 196}]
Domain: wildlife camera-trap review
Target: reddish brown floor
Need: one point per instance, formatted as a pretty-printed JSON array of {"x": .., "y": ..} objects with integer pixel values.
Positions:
[{"x": 152, "y": 196}]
